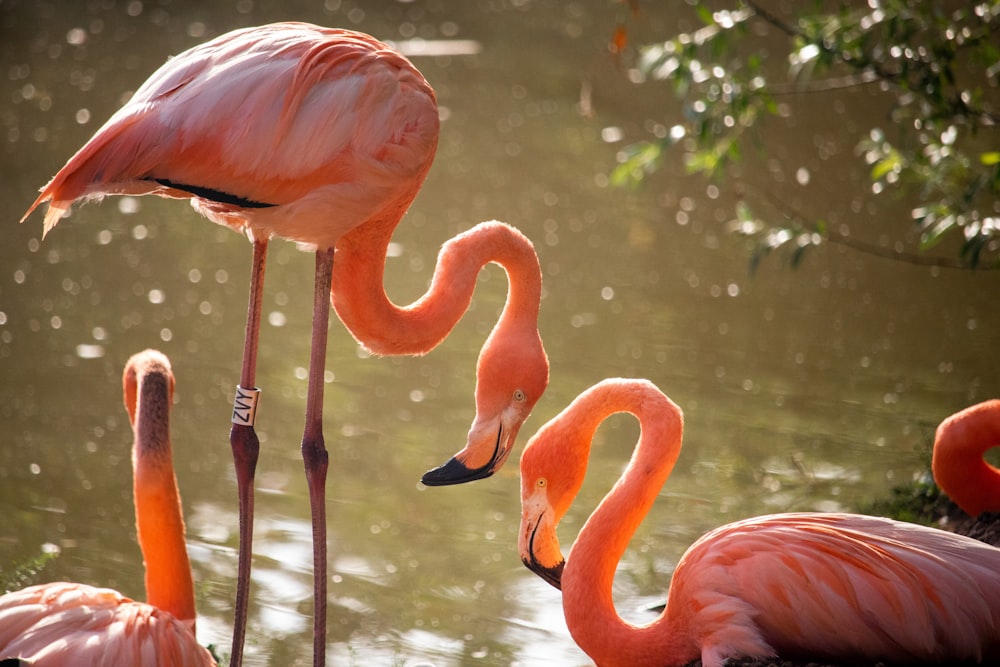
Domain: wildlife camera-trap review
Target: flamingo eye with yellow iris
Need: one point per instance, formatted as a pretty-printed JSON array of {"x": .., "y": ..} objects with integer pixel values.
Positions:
[
  {"x": 519, "y": 396},
  {"x": 541, "y": 483}
]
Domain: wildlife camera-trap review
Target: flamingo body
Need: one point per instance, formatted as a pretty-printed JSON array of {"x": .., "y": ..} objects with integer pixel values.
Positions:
[
  {"x": 66, "y": 623},
  {"x": 958, "y": 464},
  {"x": 805, "y": 585},
  {"x": 288, "y": 129}
]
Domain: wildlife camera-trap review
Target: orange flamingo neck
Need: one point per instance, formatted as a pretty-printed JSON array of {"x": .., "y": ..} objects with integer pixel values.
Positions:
[
  {"x": 383, "y": 327},
  {"x": 588, "y": 576},
  {"x": 958, "y": 464},
  {"x": 159, "y": 517}
]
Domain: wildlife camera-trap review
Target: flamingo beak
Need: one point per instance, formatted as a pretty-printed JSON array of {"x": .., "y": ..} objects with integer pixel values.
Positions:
[
  {"x": 553, "y": 575},
  {"x": 492, "y": 447},
  {"x": 454, "y": 472},
  {"x": 550, "y": 573}
]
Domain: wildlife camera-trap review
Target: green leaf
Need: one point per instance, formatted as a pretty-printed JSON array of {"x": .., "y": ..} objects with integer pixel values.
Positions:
[
  {"x": 884, "y": 166},
  {"x": 989, "y": 159}
]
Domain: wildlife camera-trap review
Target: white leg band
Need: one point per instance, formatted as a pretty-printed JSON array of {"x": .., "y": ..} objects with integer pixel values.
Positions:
[{"x": 245, "y": 405}]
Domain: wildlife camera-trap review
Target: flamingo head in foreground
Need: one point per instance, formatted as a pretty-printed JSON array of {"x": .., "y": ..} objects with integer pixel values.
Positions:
[
  {"x": 511, "y": 375},
  {"x": 550, "y": 481}
]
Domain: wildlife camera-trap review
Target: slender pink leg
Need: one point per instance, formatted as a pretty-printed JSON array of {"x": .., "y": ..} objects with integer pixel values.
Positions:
[
  {"x": 314, "y": 452},
  {"x": 245, "y": 446}
]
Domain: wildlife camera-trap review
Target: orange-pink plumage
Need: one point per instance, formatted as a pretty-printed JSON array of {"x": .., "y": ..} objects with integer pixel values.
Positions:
[
  {"x": 799, "y": 585},
  {"x": 273, "y": 126},
  {"x": 63, "y": 623}
]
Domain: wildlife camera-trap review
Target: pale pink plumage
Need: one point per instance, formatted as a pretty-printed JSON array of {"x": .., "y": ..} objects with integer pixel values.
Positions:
[
  {"x": 958, "y": 464},
  {"x": 326, "y": 128},
  {"x": 63, "y": 623},
  {"x": 806, "y": 585}
]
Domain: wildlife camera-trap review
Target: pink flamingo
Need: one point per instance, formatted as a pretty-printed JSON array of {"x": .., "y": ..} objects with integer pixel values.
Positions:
[
  {"x": 958, "y": 464},
  {"x": 323, "y": 137},
  {"x": 64, "y": 623},
  {"x": 821, "y": 586}
]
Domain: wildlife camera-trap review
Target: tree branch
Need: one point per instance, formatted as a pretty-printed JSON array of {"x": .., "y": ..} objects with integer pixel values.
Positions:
[
  {"x": 957, "y": 104},
  {"x": 796, "y": 218}
]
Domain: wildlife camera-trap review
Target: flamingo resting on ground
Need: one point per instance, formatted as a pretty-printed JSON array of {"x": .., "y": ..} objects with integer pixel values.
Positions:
[
  {"x": 51, "y": 625},
  {"x": 958, "y": 464},
  {"x": 808, "y": 585},
  {"x": 323, "y": 137}
]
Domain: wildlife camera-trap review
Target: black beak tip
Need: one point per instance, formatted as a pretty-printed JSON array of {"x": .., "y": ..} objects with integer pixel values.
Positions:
[
  {"x": 552, "y": 575},
  {"x": 455, "y": 472}
]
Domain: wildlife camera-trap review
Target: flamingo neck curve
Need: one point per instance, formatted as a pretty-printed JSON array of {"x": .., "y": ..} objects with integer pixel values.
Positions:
[
  {"x": 158, "y": 512},
  {"x": 589, "y": 572},
  {"x": 382, "y": 327},
  {"x": 958, "y": 464}
]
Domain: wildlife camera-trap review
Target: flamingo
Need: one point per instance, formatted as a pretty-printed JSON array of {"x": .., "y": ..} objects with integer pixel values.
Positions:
[
  {"x": 831, "y": 586},
  {"x": 323, "y": 137},
  {"x": 957, "y": 462},
  {"x": 65, "y": 623}
]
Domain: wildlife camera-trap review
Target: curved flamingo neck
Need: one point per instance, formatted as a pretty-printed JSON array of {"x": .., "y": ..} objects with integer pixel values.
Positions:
[
  {"x": 385, "y": 328},
  {"x": 589, "y": 572},
  {"x": 958, "y": 464},
  {"x": 158, "y": 513}
]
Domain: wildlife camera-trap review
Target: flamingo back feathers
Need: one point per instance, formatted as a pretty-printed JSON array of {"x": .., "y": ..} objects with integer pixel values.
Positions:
[
  {"x": 65, "y": 623},
  {"x": 837, "y": 585},
  {"x": 327, "y": 126}
]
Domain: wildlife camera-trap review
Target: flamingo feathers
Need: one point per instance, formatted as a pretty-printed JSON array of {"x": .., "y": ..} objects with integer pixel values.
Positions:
[
  {"x": 70, "y": 624},
  {"x": 62, "y": 623},
  {"x": 807, "y": 584},
  {"x": 293, "y": 136}
]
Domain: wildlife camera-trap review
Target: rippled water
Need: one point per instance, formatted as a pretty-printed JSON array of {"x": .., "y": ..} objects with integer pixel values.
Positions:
[{"x": 814, "y": 388}]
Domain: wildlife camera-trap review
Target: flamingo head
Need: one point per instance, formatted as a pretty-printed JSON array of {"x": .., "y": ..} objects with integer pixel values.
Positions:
[
  {"x": 537, "y": 540},
  {"x": 142, "y": 366},
  {"x": 512, "y": 374},
  {"x": 553, "y": 467}
]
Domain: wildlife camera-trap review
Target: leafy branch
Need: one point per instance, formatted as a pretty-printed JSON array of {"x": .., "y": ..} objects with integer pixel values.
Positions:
[{"x": 939, "y": 62}]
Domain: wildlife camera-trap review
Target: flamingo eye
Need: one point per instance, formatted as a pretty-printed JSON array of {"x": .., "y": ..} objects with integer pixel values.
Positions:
[
  {"x": 519, "y": 396},
  {"x": 541, "y": 483}
]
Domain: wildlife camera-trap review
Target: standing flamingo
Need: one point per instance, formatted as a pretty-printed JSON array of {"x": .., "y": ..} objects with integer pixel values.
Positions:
[
  {"x": 821, "y": 586},
  {"x": 958, "y": 464},
  {"x": 323, "y": 137},
  {"x": 63, "y": 623}
]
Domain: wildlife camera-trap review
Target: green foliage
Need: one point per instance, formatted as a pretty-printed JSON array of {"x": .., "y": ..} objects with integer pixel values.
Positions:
[
  {"x": 24, "y": 574},
  {"x": 938, "y": 60},
  {"x": 919, "y": 501}
]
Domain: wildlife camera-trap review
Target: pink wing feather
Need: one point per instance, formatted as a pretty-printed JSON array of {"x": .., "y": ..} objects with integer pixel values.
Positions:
[
  {"x": 897, "y": 590},
  {"x": 323, "y": 126},
  {"x": 72, "y": 624}
]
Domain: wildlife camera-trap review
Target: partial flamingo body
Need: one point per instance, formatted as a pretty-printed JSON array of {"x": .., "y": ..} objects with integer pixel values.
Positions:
[
  {"x": 801, "y": 585},
  {"x": 323, "y": 137},
  {"x": 958, "y": 464},
  {"x": 73, "y": 624}
]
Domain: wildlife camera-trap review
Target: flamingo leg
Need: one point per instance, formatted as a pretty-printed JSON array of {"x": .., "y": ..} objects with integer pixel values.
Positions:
[
  {"x": 314, "y": 453},
  {"x": 246, "y": 446}
]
